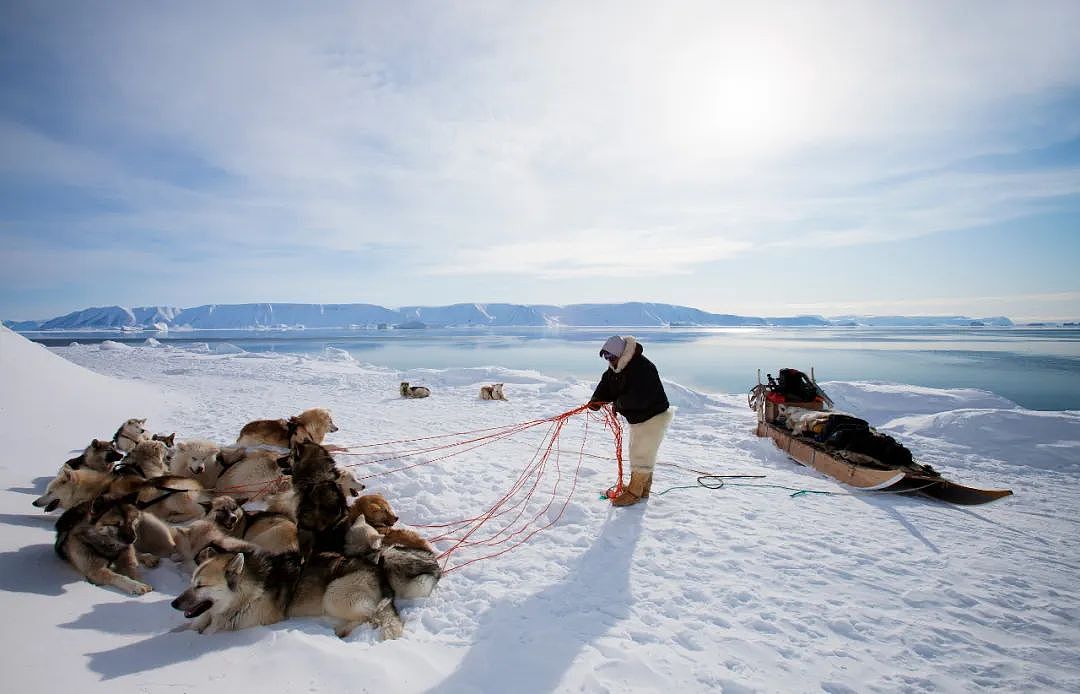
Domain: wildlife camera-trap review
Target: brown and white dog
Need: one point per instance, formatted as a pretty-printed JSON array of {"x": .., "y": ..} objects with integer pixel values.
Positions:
[
  {"x": 408, "y": 391},
  {"x": 376, "y": 511},
  {"x": 130, "y": 433},
  {"x": 309, "y": 426},
  {"x": 492, "y": 392}
]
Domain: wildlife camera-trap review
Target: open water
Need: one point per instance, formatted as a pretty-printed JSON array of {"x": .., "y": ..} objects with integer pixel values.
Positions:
[{"x": 1038, "y": 368}]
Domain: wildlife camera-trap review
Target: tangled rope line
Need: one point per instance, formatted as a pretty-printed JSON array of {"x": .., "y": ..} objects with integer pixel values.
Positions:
[{"x": 511, "y": 520}]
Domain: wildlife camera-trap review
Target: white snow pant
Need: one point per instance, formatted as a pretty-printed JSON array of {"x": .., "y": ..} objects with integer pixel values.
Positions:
[{"x": 645, "y": 440}]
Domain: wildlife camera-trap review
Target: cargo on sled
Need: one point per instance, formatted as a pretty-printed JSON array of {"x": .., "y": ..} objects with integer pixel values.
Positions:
[{"x": 800, "y": 418}]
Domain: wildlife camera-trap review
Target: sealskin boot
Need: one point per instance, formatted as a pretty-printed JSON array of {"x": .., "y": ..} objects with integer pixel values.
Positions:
[
  {"x": 632, "y": 492},
  {"x": 648, "y": 485}
]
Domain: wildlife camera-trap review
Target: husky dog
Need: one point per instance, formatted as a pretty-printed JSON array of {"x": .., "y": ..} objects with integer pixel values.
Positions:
[
  {"x": 374, "y": 509},
  {"x": 99, "y": 455},
  {"x": 376, "y": 512},
  {"x": 198, "y": 459},
  {"x": 492, "y": 392},
  {"x": 250, "y": 473},
  {"x": 130, "y": 433},
  {"x": 407, "y": 560},
  {"x": 154, "y": 539},
  {"x": 272, "y": 531},
  {"x": 350, "y": 591},
  {"x": 169, "y": 440},
  {"x": 310, "y": 425},
  {"x": 73, "y": 487},
  {"x": 147, "y": 459},
  {"x": 191, "y": 540},
  {"x": 408, "y": 391},
  {"x": 236, "y": 590},
  {"x": 98, "y": 539},
  {"x": 169, "y": 497}
]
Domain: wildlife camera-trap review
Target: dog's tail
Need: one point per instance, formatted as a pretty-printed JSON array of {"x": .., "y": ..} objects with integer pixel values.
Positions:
[
  {"x": 387, "y": 619},
  {"x": 414, "y": 572}
]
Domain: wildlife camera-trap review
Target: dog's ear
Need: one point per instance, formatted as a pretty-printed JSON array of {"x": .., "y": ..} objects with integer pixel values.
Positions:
[
  {"x": 76, "y": 462},
  {"x": 207, "y": 506},
  {"x": 241, "y": 500},
  {"x": 285, "y": 463},
  {"x": 233, "y": 570}
]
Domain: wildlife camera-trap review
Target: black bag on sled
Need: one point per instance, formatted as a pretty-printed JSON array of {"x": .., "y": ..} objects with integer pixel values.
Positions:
[
  {"x": 881, "y": 447},
  {"x": 795, "y": 386}
]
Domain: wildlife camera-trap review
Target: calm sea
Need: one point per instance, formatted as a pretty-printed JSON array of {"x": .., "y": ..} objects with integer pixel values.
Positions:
[{"x": 1038, "y": 368}]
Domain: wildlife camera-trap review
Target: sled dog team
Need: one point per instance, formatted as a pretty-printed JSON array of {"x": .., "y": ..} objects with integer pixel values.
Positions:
[{"x": 139, "y": 498}]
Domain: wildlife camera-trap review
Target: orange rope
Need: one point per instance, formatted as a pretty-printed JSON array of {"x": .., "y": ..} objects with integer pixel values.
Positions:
[{"x": 461, "y": 532}]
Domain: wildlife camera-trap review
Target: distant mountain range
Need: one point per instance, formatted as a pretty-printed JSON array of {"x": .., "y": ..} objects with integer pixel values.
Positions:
[{"x": 295, "y": 316}]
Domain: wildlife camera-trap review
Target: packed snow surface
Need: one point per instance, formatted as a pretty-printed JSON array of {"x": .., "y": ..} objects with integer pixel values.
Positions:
[{"x": 744, "y": 588}]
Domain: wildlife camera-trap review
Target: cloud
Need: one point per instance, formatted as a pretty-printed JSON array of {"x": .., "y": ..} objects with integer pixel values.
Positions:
[
  {"x": 594, "y": 253},
  {"x": 550, "y": 140}
]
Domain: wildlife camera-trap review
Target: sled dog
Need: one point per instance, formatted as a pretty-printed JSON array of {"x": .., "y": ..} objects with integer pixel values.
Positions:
[
  {"x": 310, "y": 425},
  {"x": 272, "y": 531},
  {"x": 198, "y": 459},
  {"x": 254, "y": 473},
  {"x": 408, "y": 391},
  {"x": 492, "y": 392},
  {"x": 130, "y": 433},
  {"x": 99, "y": 455},
  {"x": 237, "y": 590},
  {"x": 376, "y": 511},
  {"x": 350, "y": 591},
  {"x": 169, "y": 497},
  {"x": 192, "y": 540},
  {"x": 169, "y": 440},
  {"x": 73, "y": 487},
  {"x": 98, "y": 539},
  {"x": 147, "y": 459}
]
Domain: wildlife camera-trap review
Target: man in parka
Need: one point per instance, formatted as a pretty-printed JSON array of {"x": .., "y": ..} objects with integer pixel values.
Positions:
[{"x": 633, "y": 386}]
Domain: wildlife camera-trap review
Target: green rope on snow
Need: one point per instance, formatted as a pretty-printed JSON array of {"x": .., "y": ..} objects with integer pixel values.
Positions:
[{"x": 717, "y": 482}]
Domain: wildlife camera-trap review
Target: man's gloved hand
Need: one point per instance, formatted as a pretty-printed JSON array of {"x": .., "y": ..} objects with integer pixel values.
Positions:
[{"x": 594, "y": 405}]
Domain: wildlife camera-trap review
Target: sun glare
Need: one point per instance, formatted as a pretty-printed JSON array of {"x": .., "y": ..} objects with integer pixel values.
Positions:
[{"x": 740, "y": 100}]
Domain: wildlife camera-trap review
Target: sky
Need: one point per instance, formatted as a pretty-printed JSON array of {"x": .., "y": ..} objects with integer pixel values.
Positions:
[{"x": 753, "y": 158}]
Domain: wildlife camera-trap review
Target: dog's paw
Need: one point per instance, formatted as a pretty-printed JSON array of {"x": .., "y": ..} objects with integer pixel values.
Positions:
[
  {"x": 140, "y": 588},
  {"x": 149, "y": 560}
]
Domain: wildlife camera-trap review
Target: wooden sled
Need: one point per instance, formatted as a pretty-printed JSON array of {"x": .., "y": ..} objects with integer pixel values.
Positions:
[{"x": 810, "y": 453}]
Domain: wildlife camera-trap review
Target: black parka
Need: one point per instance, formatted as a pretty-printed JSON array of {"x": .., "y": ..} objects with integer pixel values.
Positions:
[{"x": 635, "y": 391}]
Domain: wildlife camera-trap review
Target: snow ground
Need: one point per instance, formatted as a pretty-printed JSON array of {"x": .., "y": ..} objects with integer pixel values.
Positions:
[{"x": 739, "y": 589}]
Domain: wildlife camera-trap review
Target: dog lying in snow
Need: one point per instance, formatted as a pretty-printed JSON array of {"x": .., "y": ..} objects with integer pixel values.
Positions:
[
  {"x": 309, "y": 426},
  {"x": 408, "y": 391},
  {"x": 98, "y": 539},
  {"x": 492, "y": 392}
]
